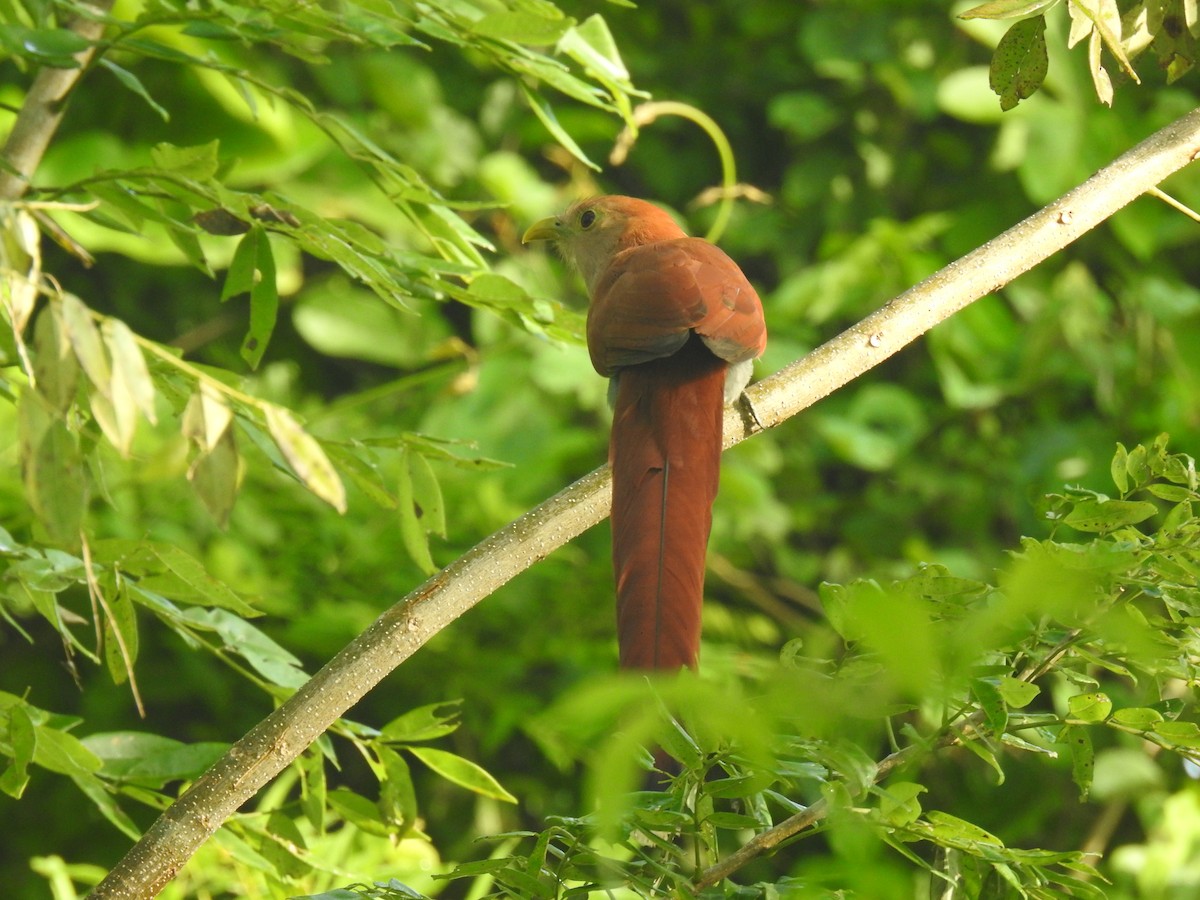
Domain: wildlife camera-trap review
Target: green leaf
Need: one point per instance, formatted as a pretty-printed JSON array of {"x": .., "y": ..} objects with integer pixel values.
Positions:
[
  {"x": 215, "y": 476},
  {"x": 186, "y": 580},
  {"x": 95, "y": 790},
  {"x": 64, "y": 753},
  {"x": 314, "y": 788},
  {"x": 1019, "y": 63},
  {"x": 55, "y": 481},
  {"x": 462, "y": 772},
  {"x": 898, "y": 803},
  {"x": 1179, "y": 734},
  {"x": 55, "y": 367},
  {"x": 522, "y": 27},
  {"x": 239, "y": 277},
  {"x": 1172, "y": 493},
  {"x": 992, "y": 704},
  {"x": 306, "y": 457},
  {"x": 52, "y": 46},
  {"x": 133, "y": 83},
  {"x": 264, "y": 301},
  {"x": 1083, "y": 758},
  {"x": 1107, "y": 515},
  {"x": 129, "y": 366},
  {"x": 591, "y": 45},
  {"x": 22, "y": 742},
  {"x": 733, "y": 821},
  {"x": 1139, "y": 717},
  {"x": 1017, "y": 694},
  {"x": 1090, "y": 707},
  {"x": 120, "y": 634},
  {"x": 397, "y": 796},
  {"x": 424, "y": 723},
  {"x": 1119, "y": 469},
  {"x": 545, "y": 114},
  {"x": 958, "y": 832},
  {"x": 283, "y": 845},
  {"x": 412, "y": 534},
  {"x": 151, "y": 759},
  {"x": 199, "y": 162},
  {"x": 268, "y": 658},
  {"x": 358, "y": 811}
]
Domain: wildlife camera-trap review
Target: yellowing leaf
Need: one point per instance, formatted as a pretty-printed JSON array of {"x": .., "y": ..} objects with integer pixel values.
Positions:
[
  {"x": 129, "y": 364},
  {"x": 85, "y": 339},
  {"x": 215, "y": 475},
  {"x": 306, "y": 457},
  {"x": 206, "y": 417}
]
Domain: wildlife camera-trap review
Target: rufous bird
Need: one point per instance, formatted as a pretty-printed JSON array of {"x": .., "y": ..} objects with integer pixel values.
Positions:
[{"x": 676, "y": 326}]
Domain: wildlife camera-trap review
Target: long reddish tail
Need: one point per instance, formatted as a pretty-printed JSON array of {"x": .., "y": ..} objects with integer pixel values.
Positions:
[{"x": 665, "y": 453}]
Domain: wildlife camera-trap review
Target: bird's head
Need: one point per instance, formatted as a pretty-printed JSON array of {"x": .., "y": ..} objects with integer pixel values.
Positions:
[{"x": 592, "y": 232}]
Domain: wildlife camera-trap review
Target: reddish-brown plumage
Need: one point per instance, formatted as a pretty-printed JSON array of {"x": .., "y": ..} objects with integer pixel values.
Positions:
[
  {"x": 665, "y": 452},
  {"x": 670, "y": 317}
]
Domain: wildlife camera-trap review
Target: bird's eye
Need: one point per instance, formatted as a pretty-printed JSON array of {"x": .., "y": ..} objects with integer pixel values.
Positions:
[{"x": 587, "y": 219}]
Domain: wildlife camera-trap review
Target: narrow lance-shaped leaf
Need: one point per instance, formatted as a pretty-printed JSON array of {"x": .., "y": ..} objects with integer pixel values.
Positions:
[
  {"x": 133, "y": 83},
  {"x": 206, "y": 418},
  {"x": 55, "y": 368},
  {"x": 85, "y": 339},
  {"x": 546, "y": 114},
  {"x": 1083, "y": 757},
  {"x": 462, "y": 772},
  {"x": 412, "y": 533},
  {"x": 129, "y": 361},
  {"x": 264, "y": 302},
  {"x": 215, "y": 475},
  {"x": 306, "y": 457},
  {"x": 120, "y": 634},
  {"x": 130, "y": 389},
  {"x": 1008, "y": 9}
]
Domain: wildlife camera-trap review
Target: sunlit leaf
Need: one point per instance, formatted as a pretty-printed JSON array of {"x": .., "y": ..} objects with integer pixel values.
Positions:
[
  {"x": 462, "y": 772},
  {"x": 1007, "y": 9},
  {"x": 199, "y": 162},
  {"x": 545, "y": 114},
  {"x": 1020, "y": 62},
  {"x": 1090, "y": 707},
  {"x": 85, "y": 339},
  {"x": 424, "y": 723},
  {"x": 306, "y": 457},
  {"x": 1083, "y": 758},
  {"x": 22, "y": 743},
  {"x": 1108, "y": 515}
]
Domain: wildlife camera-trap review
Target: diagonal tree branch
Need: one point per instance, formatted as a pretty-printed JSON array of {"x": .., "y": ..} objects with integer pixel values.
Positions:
[
  {"x": 43, "y": 109},
  {"x": 400, "y": 631}
]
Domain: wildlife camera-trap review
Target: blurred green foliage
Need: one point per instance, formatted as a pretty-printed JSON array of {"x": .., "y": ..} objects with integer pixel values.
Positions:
[{"x": 304, "y": 220}]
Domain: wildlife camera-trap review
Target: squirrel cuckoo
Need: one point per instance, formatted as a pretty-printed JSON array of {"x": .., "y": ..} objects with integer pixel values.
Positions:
[{"x": 676, "y": 326}]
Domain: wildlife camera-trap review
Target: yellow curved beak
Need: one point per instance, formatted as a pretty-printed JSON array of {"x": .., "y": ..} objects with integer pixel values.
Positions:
[{"x": 545, "y": 230}]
